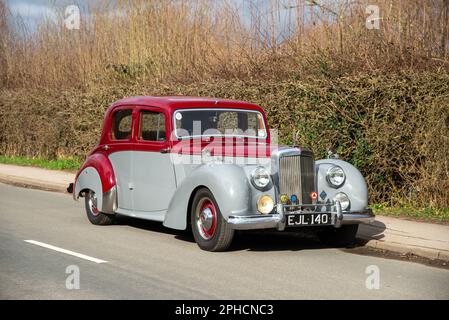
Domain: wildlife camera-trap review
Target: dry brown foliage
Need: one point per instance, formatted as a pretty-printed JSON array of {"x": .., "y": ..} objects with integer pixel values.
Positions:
[
  {"x": 189, "y": 40},
  {"x": 381, "y": 97}
]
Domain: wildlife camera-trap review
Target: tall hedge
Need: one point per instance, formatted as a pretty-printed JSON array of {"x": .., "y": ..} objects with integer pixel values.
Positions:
[{"x": 394, "y": 128}]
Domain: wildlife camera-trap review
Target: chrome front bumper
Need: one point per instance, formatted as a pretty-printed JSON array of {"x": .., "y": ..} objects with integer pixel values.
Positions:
[{"x": 278, "y": 220}]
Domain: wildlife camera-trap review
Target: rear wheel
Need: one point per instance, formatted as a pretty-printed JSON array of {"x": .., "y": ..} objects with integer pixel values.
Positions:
[
  {"x": 93, "y": 214},
  {"x": 342, "y": 236},
  {"x": 209, "y": 228}
]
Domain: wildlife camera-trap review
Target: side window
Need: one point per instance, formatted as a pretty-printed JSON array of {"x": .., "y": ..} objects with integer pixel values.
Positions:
[
  {"x": 122, "y": 124},
  {"x": 152, "y": 126}
]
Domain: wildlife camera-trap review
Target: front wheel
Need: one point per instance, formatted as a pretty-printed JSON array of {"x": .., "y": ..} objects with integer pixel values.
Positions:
[
  {"x": 93, "y": 214},
  {"x": 209, "y": 228},
  {"x": 342, "y": 236}
]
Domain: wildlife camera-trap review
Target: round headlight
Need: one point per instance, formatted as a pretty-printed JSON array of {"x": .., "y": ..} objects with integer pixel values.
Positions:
[
  {"x": 260, "y": 178},
  {"x": 265, "y": 204},
  {"x": 335, "y": 176},
  {"x": 344, "y": 200}
]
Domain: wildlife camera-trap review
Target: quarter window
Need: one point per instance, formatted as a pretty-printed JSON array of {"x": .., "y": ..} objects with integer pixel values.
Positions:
[
  {"x": 122, "y": 125},
  {"x": 152, "y": 126}
]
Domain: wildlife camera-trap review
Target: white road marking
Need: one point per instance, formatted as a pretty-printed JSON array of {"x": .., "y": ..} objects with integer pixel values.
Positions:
[{"x": 72, "y": 253}]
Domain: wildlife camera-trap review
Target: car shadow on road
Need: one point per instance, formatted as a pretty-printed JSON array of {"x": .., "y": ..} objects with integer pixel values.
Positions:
[
  {"x": 295, "y": 240},
  {"x": 272, "y": 240},
  {"x": 373, "y": 231},
  {"x": 148, "y": 225},
  {"x": 257, "y": 240}
]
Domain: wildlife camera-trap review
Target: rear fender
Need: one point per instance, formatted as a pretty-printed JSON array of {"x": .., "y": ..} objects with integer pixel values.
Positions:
[{"x": 97, "y": 175}]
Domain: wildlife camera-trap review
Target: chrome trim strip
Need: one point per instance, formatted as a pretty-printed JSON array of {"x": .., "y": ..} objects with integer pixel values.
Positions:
[
  {"x": 110, "y": 201},
  {"x": 365, "y": 216},
  {"x": 339, "y": 214},
  {"x": 254, "y": 222}
]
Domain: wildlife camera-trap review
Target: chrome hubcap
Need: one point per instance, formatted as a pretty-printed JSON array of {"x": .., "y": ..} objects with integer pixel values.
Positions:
[
  {"x": 93, "y": 203},
  {"x": 206, "y": 219}
]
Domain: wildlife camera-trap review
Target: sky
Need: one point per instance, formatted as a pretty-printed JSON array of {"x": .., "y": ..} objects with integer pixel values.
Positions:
[
  {"x": 33, "y": 11},
  {"x": 30, "y": 11}
]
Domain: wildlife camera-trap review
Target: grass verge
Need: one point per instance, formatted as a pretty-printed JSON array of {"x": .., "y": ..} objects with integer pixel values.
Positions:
[
  {"x": 68, "y": 164},
  {"x": 426, "y": 214}
]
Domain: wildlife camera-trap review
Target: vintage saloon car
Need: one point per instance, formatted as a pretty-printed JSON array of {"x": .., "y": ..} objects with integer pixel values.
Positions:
[{"x": 211, "y": 165}]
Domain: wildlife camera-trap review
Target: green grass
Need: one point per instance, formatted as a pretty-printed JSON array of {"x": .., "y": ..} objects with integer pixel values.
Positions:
[
  {"x": 425, "y": 214},
  {"x": 69, "y": 164}
]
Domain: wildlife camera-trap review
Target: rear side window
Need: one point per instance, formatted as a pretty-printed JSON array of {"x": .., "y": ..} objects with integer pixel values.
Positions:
[
  {"x": 152, "y": 126},
  {"x": 122, "y": 124}
]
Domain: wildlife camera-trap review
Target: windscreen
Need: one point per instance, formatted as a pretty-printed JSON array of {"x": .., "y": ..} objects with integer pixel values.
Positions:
[{"x": 219, "y": 122}]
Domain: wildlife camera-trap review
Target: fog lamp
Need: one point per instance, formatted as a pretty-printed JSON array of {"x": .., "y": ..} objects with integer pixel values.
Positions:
[
  {"x": 344, "y": 200},
  {"x": 265, "y": 204}
]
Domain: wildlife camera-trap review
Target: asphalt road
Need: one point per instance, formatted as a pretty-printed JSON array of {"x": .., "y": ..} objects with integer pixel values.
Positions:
[{"x": 147, "y": 261}]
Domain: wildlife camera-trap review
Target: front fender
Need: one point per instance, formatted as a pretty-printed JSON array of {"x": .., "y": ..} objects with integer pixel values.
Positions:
[
  {"x": 227, "y": 182},
  {"x": 354, "y": 186}
]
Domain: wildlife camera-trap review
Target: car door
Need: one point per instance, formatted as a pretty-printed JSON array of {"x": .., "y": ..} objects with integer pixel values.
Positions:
[
  {"x": 153, "y": 172},
  {"x": 120, "y": 154}
]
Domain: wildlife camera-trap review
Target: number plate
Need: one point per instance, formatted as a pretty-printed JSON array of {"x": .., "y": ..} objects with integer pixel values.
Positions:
[{"x": 309, "y": 219}]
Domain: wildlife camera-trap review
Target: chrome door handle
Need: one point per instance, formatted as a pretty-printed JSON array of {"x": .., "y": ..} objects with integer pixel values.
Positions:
[{"x": 106, "y": 147}]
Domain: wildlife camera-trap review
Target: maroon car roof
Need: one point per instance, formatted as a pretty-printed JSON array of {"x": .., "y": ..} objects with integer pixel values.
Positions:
[{"x": 178, "y": 102}]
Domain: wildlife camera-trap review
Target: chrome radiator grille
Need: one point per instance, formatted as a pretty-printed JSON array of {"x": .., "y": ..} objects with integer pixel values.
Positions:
[{"x": 297, "y": 176}]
